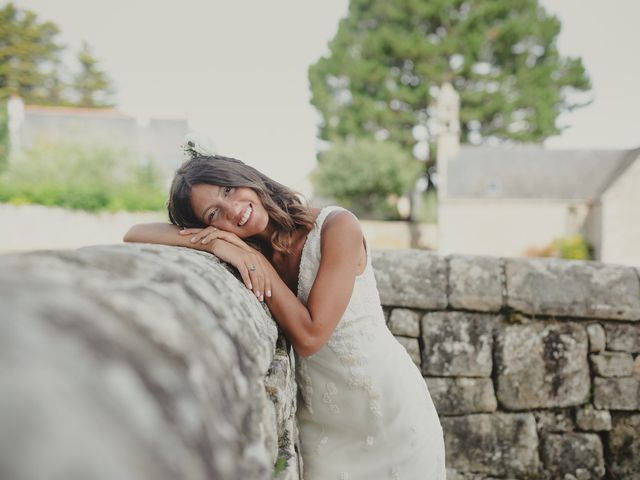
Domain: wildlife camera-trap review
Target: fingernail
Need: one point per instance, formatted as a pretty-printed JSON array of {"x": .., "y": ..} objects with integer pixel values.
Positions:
[
  {"x": 205, "y": 240},
  {"x": 193, "y": 240},
  {"x": 250, "y": 287},
  {"x": 268, "y": 293},
  {"x": 262, "y": 298},
  {"x": 258, "y": 294}
]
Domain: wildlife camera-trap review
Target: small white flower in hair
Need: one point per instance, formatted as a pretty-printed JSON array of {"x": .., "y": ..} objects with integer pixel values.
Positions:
[{"x": 198, "y": 145}]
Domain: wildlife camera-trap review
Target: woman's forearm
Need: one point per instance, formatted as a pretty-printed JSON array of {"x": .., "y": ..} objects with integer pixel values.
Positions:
[{"x": 162, "y": 233}]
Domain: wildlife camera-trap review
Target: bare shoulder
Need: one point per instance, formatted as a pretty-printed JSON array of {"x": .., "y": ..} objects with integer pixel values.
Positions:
[{"x": 343, "y": 227}]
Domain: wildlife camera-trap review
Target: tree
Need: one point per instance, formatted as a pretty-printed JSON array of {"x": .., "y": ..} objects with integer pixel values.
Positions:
[
  {"x": 91, "y": 84},
  {"x": 362, "y": 175},
  {"x": 28, "y": 55},
  {"x": 388, "y": 59},
  {"x": 31, "y": 64}
]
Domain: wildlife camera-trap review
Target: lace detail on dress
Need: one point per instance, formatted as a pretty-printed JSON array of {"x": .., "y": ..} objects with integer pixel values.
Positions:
[
  {"x": 347, "y": 347},
  {"x": 329, "y": 397}
]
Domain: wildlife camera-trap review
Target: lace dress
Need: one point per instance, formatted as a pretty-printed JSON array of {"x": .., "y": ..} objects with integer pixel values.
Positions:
[{"x": 364, "y": 411}]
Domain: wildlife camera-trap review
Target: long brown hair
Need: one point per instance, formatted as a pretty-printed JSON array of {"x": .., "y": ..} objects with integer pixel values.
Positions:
[{"x": 287, "y": 212}]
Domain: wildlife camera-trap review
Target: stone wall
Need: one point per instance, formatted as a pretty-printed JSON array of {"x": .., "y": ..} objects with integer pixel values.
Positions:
[
  {"x": 139, "y": 362},
  {"x": 533, "y": 364}
]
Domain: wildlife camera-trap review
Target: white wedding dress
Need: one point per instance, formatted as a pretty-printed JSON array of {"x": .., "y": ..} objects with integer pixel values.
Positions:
[{"x": 364, "y": 411}]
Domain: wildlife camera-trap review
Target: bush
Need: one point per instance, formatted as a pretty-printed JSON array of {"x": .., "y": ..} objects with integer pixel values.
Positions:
[
  {"x": 573, "y": 247},
  {"x": 366, "y": 176},
  {"x": 77, "y": 176}
]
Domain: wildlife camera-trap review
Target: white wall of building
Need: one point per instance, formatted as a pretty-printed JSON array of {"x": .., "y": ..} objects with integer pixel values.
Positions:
[
  {"x": 504, "y": 228},
  {"x": 621, "y": 219}
]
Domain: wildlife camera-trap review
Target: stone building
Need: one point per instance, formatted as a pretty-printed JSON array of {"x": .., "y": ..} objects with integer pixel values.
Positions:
[
  {"x": 506, "y": 201},
  {"x": 157, "y": 139}
]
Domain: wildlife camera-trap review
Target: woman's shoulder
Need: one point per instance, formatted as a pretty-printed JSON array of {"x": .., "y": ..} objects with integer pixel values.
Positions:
[{"x": 339, "y": 222}]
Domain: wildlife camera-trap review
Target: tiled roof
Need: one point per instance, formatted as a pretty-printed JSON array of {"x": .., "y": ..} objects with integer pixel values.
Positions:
[{"x": 534, "y": 172}]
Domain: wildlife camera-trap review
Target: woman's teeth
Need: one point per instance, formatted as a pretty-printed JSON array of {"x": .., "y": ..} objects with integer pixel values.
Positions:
[{"x": 245, "y": 217}]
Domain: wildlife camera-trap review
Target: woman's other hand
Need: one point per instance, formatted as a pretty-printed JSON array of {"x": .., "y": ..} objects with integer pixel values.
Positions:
[{"x": 254, "y": 268}]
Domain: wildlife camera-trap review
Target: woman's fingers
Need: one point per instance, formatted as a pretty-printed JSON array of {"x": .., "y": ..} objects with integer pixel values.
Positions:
[{"x": 189, "y": 231}]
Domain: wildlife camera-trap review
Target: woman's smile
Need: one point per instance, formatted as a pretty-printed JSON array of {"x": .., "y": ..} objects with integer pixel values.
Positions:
[{"x": 234, "y": 209}]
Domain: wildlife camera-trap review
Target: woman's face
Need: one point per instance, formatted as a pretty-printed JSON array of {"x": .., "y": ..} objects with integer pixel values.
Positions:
[{"x": 234, "y": 209}]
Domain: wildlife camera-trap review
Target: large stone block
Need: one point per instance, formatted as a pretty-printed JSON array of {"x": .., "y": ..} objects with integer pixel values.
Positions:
[
  {"x": 573, "y": 455},
  {"x": 457, "y": 344},
  {"x": 405, "y": 322},
  {"x": 624, "y": 446},
  {"x": 554, "y": 420},
  {"x": 612, "y": 364},
  {"x": 475, "y": 283},
  {"x": 623, "y": 337},
  {"x": 411, "y": 278},
  {"x": 616, "y": 393},
  {"x": 543, "y": 286},
  {"x": 457, "y": 396},
  {"x": 500, "y": 444},
  {"x": 592, "y": 420},
  {"x": 542, "y": 366}
]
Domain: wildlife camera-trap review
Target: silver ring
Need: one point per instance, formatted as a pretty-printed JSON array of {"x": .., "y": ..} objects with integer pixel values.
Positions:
[{"x": 252, "y": 268}]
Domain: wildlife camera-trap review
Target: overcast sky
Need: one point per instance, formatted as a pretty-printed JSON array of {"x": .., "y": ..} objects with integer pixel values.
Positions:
[{"x": 237, "y": 69}]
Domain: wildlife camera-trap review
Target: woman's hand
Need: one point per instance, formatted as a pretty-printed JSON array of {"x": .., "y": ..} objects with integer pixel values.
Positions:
[
  {"x": 208, "y": 234},
  {"x": 254, "y": 268}
]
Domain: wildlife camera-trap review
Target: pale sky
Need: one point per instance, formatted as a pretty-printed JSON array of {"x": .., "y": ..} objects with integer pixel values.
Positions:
[{"x": 237, "y": 69}]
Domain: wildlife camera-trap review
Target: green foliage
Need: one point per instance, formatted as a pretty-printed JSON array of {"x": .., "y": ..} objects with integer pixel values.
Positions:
[
  {"x": 573, "y": 247},
  {"x": 91, "y": 84},
  {"x": 363, "y": 175},
  {"x": 31, "y": 64},
  {"x": 4, "y": 135},
  {"x": 80, "y": 177},
  {"x": 28, "y": 53},
  {"x": 388, "y": 59},
  {"x": 279, "y": 467}
]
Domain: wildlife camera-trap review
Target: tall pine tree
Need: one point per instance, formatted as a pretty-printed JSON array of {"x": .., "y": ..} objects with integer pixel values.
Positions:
[
  {"x": 28, "y": 55},
  {"x": 388, "y": 59},
  {"x": 91, "y": 84}
]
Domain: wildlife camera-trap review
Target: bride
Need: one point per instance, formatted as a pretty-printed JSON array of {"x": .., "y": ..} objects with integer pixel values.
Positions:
[{"x": 364, "y": 410}]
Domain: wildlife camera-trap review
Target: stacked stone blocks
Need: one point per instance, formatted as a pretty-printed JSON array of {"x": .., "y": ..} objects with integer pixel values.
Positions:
[{"x": 533, "y": 364}]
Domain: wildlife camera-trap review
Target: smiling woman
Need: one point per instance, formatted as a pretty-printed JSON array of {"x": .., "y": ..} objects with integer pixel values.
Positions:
[{"x": 365, "y": 411}]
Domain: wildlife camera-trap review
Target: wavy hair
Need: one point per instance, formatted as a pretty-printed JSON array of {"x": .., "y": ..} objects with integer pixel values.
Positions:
[{"x": 287, "y": 211}]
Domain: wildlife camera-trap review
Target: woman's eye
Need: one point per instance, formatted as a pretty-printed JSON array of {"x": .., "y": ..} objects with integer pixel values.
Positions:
[
  {"x": 211, "y": 215},
  {"x": 227, "y": 190}
]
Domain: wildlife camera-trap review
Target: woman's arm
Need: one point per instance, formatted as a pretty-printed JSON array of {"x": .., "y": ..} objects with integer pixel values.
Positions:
[
  {"x": 162, "y": 233},
  {"x": 310, "y": 327}
]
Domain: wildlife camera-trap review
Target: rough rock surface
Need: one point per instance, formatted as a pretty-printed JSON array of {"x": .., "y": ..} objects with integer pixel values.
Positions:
[
  {"x": 592, "y": 420},
  {"x": 612, "y": 364},
  {"x": 554, "y": 420},
  {"x": 616, "y": 393},
  {"x": 411, "y": 278},
  {"x": 475, "y": 283},
  {"x": 457, "y": 344},
  {"x": 457, "y": 396},
  {"x": 543, "y": 286},
  {"x": 501, "y": 444},
  {"x": 542, "y": 366},
  {"x": 624, "y": 337},
  {"x": 597, "y": 339},
  {"x": 405, "y": 322},
  {"x": 139, "y": 361},
  {"x": 624, "y": 445},
  {"x": 578, "y": 455}
]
